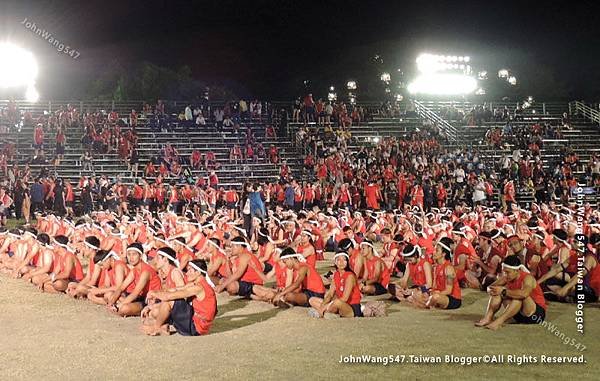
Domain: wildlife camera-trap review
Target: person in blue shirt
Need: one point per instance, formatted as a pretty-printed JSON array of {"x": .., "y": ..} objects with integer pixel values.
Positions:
[
  {"x": 289, "y": 196},
  {"x": 37, "y": 196}
]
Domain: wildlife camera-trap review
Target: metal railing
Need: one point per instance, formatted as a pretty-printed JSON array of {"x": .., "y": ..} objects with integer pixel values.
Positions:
[
  {"x": 577, "y": 107},
  {"x": 446, "y": 127}
]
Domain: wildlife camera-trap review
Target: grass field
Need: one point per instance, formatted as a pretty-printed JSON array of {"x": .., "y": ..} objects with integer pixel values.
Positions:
[{"x": 51, "y": 336}]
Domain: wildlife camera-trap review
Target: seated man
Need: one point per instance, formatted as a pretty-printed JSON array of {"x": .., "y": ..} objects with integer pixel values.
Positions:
[
  {"x": 244, "y": 276},
  {"x": 590, "y": 274},
  {"x": 307, "y": 289},
  {"x": 128, "y": 299},
  {"x": 516, "y": 290},
  {"x": 191, "y": 309},
  {"x": 420, "y": 274}
]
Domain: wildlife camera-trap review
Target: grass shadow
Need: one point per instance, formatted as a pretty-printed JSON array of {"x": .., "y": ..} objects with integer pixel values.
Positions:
[
  {"x": 229, "y": 323},
  {"x": 233, "y": 305}
]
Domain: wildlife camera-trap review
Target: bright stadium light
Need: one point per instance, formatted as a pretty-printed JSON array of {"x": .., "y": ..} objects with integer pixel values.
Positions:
[
  {"x": 512, "y": 80},
  {"x": 467, "y": 58},
  {"x": 331, "y": 88},
  {"x": 482, "y": 75},
  {"x": 503, "y": 73},
  {"x": 331, "y": 96},
  {"x": 351, "y": 85},
  {"x": 31, "y": 95},
  {"x": 18, "y": 67},
  {"x": 443, "y": 84}
]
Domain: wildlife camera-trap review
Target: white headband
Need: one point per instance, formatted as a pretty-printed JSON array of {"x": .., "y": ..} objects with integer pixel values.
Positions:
[
  {"x": 245, "y": 244},
  {"x": 210, "y": 242},
  {"x": 208, "y": 280},
  {"x": 341, "y": 254},
  {"x": 444, "y": 246},
  {"x": 135, "y": 249},
  {"x": 410, "y": 253},
  {"x": 90, "y": 245},
  {"x": 109, "y": 255},
  {"x": 300, "y": 257},
  {"x": 520, "y": 267},
  {"x": 364, "y": 243},
  {"x": 162, "y": 252}
]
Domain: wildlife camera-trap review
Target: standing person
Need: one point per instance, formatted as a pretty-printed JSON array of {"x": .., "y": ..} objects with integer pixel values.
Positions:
[
  {"x": 19, "y": 195},
  {"x": 5, "y": 203},
  {"x": 60, "y": 207},
  {"x": 60, "y": 145},
  {"x": 26, "y": 206},
  {"x": 37, "y": 196},
  {"x": 134, "y": 161}
]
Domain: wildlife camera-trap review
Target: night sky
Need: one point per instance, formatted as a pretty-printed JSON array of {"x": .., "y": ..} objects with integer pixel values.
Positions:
[{"x": 268, "y": 48}]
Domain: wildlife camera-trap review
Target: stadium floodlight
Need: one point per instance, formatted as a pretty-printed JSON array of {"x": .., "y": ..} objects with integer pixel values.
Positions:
[
  {"x": 18, "y": 66},
  {"x": 482, "y": 75},
  {"x": 443, "y": 84},
  {"x": 503, "y": 73},
  {"x": 467, "y": 59},
  {"x": 512, "y": 80},
  {"x": 351, "y": 85},
  {"x": 331, "y": 88},
  {"x": 385, "y": 77},
  {"x": 31, "y": 95}
]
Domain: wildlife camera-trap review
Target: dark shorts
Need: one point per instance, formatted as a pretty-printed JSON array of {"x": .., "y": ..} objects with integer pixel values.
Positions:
[
  {"x": 268, "y": 268},
  {"x": 231, "y": 205},
  {"x": 311, "y": 294},
  {"x": 140, "y": 299},
  {"x": 357, "y": 310},
  {"x": 181, "y": 318},
  {"x": 537, "y": 317},
  {"x": 379, "y": 289},
  {"x": 453, "y": 303},
  {"x": 245, "y": 289}
]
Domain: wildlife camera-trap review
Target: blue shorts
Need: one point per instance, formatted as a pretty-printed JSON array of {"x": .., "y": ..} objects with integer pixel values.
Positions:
[
  {"x": 245, "y": 289},
  {"x": 311, "y": 294},
  {"x": 181, "y": 318},
  {"x": 357, "y": 310}
]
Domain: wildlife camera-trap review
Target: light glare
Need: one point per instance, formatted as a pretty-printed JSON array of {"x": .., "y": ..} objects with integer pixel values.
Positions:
[{"x": 443, "y": 84}]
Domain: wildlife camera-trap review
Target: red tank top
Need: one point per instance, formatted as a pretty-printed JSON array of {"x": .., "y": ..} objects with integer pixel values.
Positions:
[
  {"x": 280, "y": 275},
  {"x": 169, "y": 283},
  {"x": 205, "y": 309},
  {"x": 112, "y": 272},
  {"x": 593, "y": 278},
  {"x": 384, "y": 275},
  {"x": 417, "y": 272},
  {"x": 340, "y": 281},
  {"x": 536, "y": 294},
  {"x": 439, "y": 280},
  {"x": 312, "y": 281},
  {"x": 76, "y": 271},
  {"x": 223, "y": 270},
  {"x": 153, "y": 282},
  {"x": 250, "y": 274}
]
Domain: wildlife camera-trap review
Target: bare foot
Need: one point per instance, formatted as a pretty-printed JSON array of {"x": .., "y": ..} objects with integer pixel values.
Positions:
[
  {"x": 482, "y": 322},
  {"x": 493, "y": 326}
]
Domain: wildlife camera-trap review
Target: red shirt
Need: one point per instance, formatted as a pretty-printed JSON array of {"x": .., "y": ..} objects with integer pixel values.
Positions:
[
  {"x": 205, "y": 309},
  {"x": 340, "y": 281},
  {"x": 439, "y": 280},
  {"x": 536, "y": 294}
]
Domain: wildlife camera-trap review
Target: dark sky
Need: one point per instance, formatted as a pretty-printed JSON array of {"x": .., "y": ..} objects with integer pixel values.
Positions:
[{"x": 267, "y": 48}]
